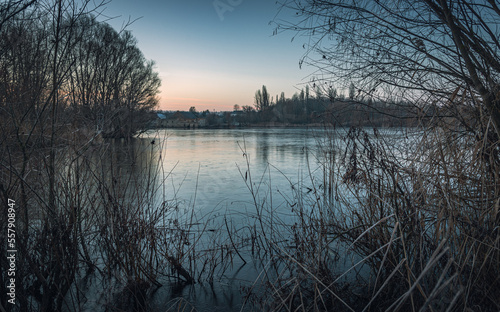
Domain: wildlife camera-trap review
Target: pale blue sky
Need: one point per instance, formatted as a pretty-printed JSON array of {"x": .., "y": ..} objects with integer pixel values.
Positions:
[{"x": 209, "y": 62}]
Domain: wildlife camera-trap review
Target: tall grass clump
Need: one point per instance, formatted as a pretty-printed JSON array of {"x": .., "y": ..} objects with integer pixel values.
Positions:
[
  {"x": 399, "y": 220},
  {"x": 114, "y": 235},
  {"x": 95, "y": 226},
  {"x": 418, "y": 215}
]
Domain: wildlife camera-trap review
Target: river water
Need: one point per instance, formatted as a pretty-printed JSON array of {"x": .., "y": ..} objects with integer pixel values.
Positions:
[
  {"x": 211, "y": 169},
  {"x": 222, "y": 174},
  {"x": 225, "y": 177}
]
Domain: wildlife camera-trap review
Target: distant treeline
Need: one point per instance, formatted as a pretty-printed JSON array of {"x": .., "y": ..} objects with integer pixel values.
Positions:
[
  {"x": 327, "y": 108},
  {"x": 59, "y": 65}
]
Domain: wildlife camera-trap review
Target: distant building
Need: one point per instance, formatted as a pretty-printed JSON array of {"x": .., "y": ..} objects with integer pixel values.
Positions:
[
  {"x": 237, "y": 113},
  {"x": 161, "y": 120},
  {"x": 186, "y": 120}
]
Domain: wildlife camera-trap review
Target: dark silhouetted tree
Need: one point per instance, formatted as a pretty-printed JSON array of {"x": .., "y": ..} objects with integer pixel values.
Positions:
[
  {"x": 352, "y": 91},
  {"x": 265, "y": 98},
  {"x": 262, "y": 99}
]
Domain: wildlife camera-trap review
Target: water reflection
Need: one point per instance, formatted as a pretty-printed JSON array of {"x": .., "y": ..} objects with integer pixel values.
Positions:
[
  {"x": 129, "y": 169},
  {"x": 205, "y": 172},
  {"x": 263, "y": 146},
  {"x": 207, "y": 168}
]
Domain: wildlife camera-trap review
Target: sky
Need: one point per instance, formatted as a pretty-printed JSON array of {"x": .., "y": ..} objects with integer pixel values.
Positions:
[{"x": 213, "y": 54}]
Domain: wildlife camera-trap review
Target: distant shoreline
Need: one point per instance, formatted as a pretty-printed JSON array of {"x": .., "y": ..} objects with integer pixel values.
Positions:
[{"x": 278, "y": 126}]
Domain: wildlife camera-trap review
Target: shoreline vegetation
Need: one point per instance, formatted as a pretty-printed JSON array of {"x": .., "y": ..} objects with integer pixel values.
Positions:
[
  {"x": 305, "y": 109},
  {"x": 409, "y": 227}
]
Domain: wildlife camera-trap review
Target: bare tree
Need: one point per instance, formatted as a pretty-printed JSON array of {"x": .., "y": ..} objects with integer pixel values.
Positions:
[
  {"x": 54, "y": 60},
  {"x": 9, "y": 9},
  {"x": 111, "y": 81},
  {"x": 440, "y": 60},
  {"x": 352, "y": 91},
  {"x": 426, "y": 51},
  {"x": 258, "y": 100},
  {"x": 282, "y": 98},
  {"x": 265, "y": 98}
]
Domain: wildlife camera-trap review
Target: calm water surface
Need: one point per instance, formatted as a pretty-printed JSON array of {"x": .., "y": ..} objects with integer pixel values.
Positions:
[
  {"x": 212, "y": 171},
  {"x": 216, "y": 174},
  {"x": 208, "y": 170}
]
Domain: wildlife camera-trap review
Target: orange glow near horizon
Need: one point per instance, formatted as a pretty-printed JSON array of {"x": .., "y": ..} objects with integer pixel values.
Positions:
[
  {"x": 182, "y": 89},
  {"x": 210, "y": 63},
  {"x": 201, "y": 105},
  {"x": 183, "y": 104}
]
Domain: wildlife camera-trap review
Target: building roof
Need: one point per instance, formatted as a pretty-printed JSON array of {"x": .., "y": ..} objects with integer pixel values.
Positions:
[{"x": 184, "y": 115}]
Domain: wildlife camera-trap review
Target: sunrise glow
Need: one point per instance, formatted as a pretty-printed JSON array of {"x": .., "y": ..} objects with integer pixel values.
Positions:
[{"x": 207, "y": 62}]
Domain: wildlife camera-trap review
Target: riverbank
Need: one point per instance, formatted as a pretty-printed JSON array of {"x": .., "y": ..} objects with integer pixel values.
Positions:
[
  {"x": 286, "y": 218},
  {"x": 269, "y": 125}
]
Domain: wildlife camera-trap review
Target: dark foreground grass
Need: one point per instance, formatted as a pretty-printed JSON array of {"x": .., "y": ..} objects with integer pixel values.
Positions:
[
  {"x": 402, "y": 221},
  {"x": 112, "y": 235},
  {"x": 403, "y": 224}
]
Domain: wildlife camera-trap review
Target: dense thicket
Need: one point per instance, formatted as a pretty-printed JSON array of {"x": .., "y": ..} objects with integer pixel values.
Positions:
[
  {"x": 429, "y": 52},
  {"x": 74, "y": 69},
  {"x": 66, "y": 81},
  {"x": 416, "y": 213}
]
